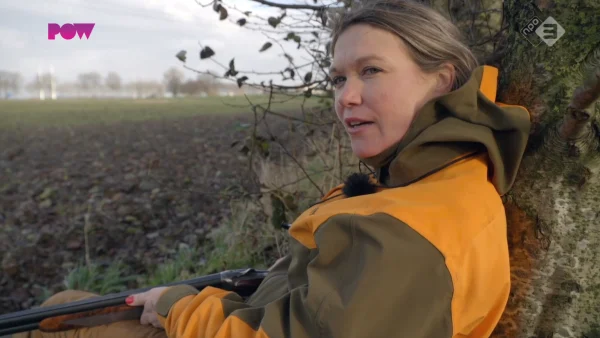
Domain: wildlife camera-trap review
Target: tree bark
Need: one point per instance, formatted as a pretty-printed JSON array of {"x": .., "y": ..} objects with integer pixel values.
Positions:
[{"x": 553, "y": 210}]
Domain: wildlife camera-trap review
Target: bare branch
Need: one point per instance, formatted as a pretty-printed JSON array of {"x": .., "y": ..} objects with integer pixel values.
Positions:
[
  {"x": 202, "y": 5},
  {"x": 293, "y": 158},
  {"x": 290, "y": 6},
  {"x": 291, "y": 118},
  {"x": 281, "y": 187}
]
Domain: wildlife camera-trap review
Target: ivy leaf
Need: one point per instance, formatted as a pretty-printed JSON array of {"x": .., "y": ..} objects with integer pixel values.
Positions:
[
  {"x": 247, "y": 13},
  {"x": 308, "y": 77},
  {"x": 308, "y": 93},
  {"x": 231, "y": 71},
  {"x": 289, "y": 57},
  {"x": 266, "y": 46},
  {"x": 217, "y": 6},
  {"x": 293, "y": 36},
  {"x": 224, "y": 14},
  {"x": 315, "y": 34},
  {"x": 206, "y": 52},
  {"x": 292, "y": 72},
  {"x": 273, "y": 21},
  {"x": 181, "y": 55},
  {"x": 241, "y": 80},
  {"x": 241, "y": 22}
]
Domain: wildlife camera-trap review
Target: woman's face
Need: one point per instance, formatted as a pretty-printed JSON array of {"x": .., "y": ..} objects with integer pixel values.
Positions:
[{"x": 378, "y": 88}]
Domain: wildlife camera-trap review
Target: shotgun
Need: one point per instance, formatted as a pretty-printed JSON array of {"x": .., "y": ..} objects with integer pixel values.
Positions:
[{"x": 112, "y": 307}]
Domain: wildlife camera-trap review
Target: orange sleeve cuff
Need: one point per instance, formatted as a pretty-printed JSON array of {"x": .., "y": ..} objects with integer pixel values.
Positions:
[{"x": 200, "y": 312}]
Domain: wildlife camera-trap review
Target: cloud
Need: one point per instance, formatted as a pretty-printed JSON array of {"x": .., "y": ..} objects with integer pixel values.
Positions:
[
  {"x": 11, "y": 40},
  {"x": 137, "y": 38}
]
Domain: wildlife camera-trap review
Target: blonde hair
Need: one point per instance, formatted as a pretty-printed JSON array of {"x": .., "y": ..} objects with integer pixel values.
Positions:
[{"x": 432, "y": 40}]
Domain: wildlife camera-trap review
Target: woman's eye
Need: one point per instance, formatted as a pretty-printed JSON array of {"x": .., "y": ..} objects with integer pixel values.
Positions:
[
  {"x": 337, "y": 80},
  {"x": 371, "y": 70}
]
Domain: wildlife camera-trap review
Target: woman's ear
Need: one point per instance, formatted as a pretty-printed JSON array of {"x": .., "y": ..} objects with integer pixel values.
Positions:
[{"x": 445, "y": 78}]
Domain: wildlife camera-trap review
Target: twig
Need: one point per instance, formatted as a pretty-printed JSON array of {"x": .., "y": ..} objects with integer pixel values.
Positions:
[
  {"x": 291, "y": 118},
  {"x": 289, "y": 6},
  {"x": 86, "y": 229},
  {"x": 208, "y": 4},
  {"x": 293, "y": 158},
  {"x": 283, "y": 49},
  {"x": 281, "y": 187}
]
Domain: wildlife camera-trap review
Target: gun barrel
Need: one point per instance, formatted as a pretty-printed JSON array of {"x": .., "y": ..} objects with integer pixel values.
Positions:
[{"x": 28, "y": 320}]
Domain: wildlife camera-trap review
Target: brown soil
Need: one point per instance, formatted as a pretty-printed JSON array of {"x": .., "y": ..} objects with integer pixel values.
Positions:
[{"x": 147, "y": 186}]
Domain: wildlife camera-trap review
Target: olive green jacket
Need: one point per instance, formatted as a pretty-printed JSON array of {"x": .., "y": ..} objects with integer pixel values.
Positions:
[{"x": 426, "y": 255}]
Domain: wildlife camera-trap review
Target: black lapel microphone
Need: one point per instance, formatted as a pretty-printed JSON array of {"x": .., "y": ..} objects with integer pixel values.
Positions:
[{"x": 358, "y": 184}]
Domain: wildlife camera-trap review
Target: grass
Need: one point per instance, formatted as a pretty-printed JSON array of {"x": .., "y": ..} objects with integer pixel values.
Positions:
[
  {"x": 184, "y": 265},
  {"x": 98, "y": 279},
  {"x": 238, "y": 243},
  {"x": 245, "y": 240},
  {"x": 71, "y": 112}
]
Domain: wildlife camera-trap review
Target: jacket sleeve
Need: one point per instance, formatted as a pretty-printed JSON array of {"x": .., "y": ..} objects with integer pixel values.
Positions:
[{"x": 371, "y": 276}]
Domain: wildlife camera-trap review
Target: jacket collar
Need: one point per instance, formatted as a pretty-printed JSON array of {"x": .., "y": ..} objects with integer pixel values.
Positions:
[{"x": 454, "y": 126}]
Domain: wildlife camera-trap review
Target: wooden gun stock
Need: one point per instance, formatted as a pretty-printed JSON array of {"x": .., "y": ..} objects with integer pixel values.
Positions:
[{"x": 102, "y": 316}]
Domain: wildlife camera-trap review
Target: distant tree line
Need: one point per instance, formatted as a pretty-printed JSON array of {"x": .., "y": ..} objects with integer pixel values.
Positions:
[
  {"x": 10, "y": 83},
  {"x": 94, "y": 84}
]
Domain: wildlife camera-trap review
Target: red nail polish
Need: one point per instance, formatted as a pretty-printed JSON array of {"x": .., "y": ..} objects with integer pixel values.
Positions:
[{"x": 129, "y": 300}]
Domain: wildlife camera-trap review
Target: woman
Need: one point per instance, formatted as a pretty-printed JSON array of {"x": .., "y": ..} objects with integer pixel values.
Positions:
[{"x": 421, "y": 250}]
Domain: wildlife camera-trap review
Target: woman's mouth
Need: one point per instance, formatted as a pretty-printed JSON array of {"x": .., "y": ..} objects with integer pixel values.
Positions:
[{"x": 355, "y": 125}]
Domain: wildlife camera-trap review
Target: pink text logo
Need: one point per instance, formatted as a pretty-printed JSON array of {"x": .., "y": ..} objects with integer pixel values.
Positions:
[{"x": 68, "y": 31}]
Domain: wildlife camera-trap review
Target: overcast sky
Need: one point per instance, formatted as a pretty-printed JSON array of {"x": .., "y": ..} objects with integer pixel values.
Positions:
[{"x": 136, "y": 38}]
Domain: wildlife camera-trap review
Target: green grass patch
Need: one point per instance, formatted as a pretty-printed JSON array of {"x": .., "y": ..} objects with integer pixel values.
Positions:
[
  {"x": 71, "y": 112},
  {"x": 242, "y": 241},
  {"x": 185, "y": 265},
  {"x": 97, "y": 279},
  {"x": 247, "y": 239}
]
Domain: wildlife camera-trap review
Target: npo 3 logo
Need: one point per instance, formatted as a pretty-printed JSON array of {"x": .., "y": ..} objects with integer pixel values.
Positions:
[
  {"x": 548, "y": 31},
  {"x": 68, "y": 31}
]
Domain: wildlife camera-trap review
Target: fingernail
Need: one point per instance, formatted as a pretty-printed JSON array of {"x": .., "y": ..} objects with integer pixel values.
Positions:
[{"x": 129, "y": 300}]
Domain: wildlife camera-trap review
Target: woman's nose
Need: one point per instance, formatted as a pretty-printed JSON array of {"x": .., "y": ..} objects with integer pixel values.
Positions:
[{"x": 350, "y": 94}]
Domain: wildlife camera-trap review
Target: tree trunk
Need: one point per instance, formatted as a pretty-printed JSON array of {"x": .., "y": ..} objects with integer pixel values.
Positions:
[{"x": 553, "y": 210}]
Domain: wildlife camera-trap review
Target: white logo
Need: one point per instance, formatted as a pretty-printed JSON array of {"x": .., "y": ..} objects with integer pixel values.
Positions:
[{"x": 550, "y": 31}]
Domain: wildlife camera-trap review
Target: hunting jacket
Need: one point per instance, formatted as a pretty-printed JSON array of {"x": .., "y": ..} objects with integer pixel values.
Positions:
[{"x": 426, "y": 255}]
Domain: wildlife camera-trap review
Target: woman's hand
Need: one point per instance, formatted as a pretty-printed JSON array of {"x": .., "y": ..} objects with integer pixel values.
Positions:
[{"x": 148, "y": 300}]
